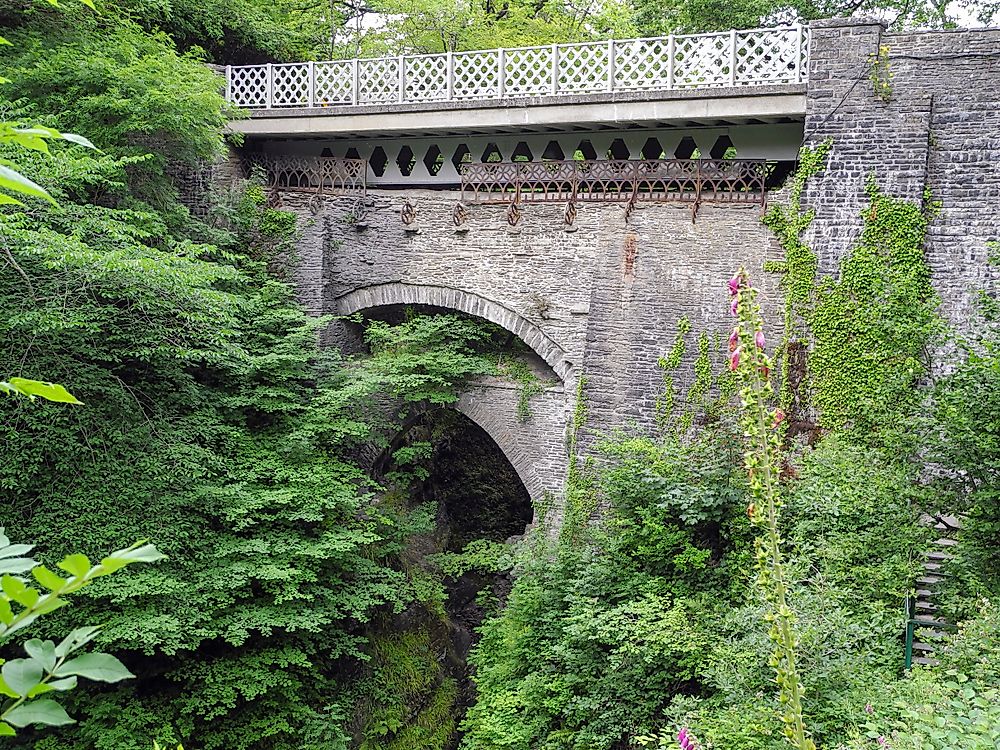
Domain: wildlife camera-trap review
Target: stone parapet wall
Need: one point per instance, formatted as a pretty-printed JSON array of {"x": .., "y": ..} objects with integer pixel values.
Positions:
[{"x": 939, "y": 132}]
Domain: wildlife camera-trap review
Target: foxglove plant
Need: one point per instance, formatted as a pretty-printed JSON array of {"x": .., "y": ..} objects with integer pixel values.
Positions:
[
  {"x": 762, "y": 428},
  {"x": 686, "y": 740}
]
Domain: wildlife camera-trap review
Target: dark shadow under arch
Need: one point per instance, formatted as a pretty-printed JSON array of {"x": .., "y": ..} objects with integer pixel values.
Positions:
[{"x": 472, "y": 476}]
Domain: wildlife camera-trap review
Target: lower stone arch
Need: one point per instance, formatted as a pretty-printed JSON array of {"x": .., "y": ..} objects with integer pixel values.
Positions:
[
  {"x": 480, "y": 406},
  {"x": 397, "y": 293}
]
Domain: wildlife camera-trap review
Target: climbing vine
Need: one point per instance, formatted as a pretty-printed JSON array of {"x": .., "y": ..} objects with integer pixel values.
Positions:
[
  {"x": 668, "y": 363},
  {"x": 580, "y": 492},
  {"x": 530, "y": 385},
  {"x": 699, "y": 403},
  {"x": 867, "y": 331}
]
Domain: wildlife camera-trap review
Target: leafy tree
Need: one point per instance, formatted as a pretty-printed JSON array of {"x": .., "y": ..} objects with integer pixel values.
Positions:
[{"x": 48, "y": 666}]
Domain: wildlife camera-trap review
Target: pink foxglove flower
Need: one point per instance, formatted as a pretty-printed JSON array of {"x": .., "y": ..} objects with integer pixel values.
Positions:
[
  {"x": 735, "y": 306},
  {"x": 734, "y": 339},
  {"x": 734, "y": 359},
  {"x": 779, "y": 417},
  {"x": 759, "y": 340},
  {"x": 734, "y": 285},
  {"x": 686, "y": 740}
]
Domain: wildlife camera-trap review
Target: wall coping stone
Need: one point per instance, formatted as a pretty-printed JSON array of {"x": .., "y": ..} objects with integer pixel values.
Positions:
[{"x": 833, "y": 23}]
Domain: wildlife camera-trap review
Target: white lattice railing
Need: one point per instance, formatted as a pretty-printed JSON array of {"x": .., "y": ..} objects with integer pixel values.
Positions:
[{"x": 757, "y": 57}]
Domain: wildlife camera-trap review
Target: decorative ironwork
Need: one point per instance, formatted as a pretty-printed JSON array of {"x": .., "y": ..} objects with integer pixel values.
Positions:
[
  {"x": 360, "y": 211},
  {"x": 514, "y": 214},
  {"x": 408, "y": 213},
  {"x": 693, "y": 181},
  {"x": 312, "y": 174},
  {"x": 736, "y": 58},
  {"x": 569, "y": 215}
]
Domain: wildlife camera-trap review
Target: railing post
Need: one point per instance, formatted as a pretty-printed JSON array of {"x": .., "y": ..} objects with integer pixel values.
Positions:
[
  {"x": 270, "y": 86},
  {"x": 908, "y": 653},
  {"x": 311, "y": 84},
  {"x": 798, "y": 52},
  {"x": 355, "y": 82},
  {"x": 732, "y": 57},
  {"x": 611, "y": 65},
  {"x": 555, "y": 68},
  {"x": 670, "y": 62},
  {"x": 450, "y": 80},
  {"x": 501, "y": 72},
  {"x": 402, "y": 78},
  {"x": 229, "y": 83}
]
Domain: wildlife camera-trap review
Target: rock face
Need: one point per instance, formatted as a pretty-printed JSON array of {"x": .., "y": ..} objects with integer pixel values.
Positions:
[{"x": 478, "y": 497}]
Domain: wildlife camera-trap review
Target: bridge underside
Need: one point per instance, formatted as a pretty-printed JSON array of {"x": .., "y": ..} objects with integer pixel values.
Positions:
[{"x": 429, "y": 161}]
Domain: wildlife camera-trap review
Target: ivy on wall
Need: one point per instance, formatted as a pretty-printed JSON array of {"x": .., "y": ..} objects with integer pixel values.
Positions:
[
  {"x": 708, "y": 393},
  {"x": 867, "y": 330}
]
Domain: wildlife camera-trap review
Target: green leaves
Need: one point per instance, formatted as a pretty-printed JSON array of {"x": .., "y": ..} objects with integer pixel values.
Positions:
[
  {"x": 45, "y": 712},
  {"x": 33, "y": 138},
  {"x": 101, "y": 667},
  {"x": 38, "y": 389},
  {"x": 48, "y": 667},
  {"x": 34, "y": 603},
  {"x": 22, "y": 675},
  {"x": 16, "y": 182}
]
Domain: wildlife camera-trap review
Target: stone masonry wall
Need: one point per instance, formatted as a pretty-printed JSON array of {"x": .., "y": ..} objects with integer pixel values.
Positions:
[
  {"x": 939, "y": 131},
  {"x": 601, "y": 299}
]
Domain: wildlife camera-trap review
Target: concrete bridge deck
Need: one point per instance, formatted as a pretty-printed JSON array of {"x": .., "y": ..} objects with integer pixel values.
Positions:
[{"x": 757, "y": 75}]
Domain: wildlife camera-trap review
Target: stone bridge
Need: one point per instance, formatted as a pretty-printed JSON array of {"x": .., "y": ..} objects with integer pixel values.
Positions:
[{"x": 481, "y": 194}]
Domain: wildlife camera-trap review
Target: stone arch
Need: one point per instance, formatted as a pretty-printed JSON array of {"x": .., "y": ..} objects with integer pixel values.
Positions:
[
  {"x": 397, "y": 293},
  {"x": 486, "y": 407}
]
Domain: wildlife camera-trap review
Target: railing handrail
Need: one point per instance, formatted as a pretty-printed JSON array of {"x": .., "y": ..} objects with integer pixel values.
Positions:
[{"x": 743, "y": 57}]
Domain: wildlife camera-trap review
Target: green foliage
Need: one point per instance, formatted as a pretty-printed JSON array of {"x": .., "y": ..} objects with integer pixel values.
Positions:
[
  {"x": 409, "y": 700},
  {"x": 36, "y": 389},
  {"x": 48, "y": 666},
  {"x": 601, "y": 628},
  {"x": 872, "y": 327},
  {"x": 869, "y": 329},
  {"x": 667, "y": 364},
  {"x": 881, "y": 74},
  {"x": 962, "y": 431},
  {"x": 712, "y": 15},
  {"x": 132, "y": 94},
  {"x": 214, "y": 423},
  {"x": 708, "y": 394},
  {"x": 29, "y": 603},
  {"x": 530, "y": 385},
  {"x": 853, "y": 513},
  {"x": 479, "y": 555},
  {"x": 580, "y": 498},
  {"x": 426, "y": 359}
]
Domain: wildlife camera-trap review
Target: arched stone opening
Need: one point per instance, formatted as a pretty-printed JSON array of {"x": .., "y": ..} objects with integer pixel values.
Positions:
[
  {"x": 479, "y": 493},
  {"x": 386, "y": 295}
]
